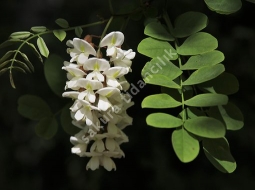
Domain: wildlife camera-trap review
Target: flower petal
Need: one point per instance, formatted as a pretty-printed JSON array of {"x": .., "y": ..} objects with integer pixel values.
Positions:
[{"x": 112, "y": 39}]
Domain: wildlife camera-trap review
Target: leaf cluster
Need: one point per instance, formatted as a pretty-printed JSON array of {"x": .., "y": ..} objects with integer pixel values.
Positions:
[{"x": 186, "y": 64}]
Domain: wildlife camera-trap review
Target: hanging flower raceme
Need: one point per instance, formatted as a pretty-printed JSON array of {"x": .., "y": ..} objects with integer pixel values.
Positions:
[{"x": 97, "y": 86}]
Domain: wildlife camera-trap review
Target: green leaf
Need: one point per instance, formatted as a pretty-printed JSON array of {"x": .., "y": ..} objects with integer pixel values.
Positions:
[
  {"x": 47, "y": 127},
  {"x": 5, "y": 63},
  {"x": 189, "y": 23},
  {"x": 198, "y": 43},
  {"x": 11, "y": 79},
  {"x": 224, "y": 6},
  {"x": 33, "y": 107},
  {"x": 160, "y": 101},
  {"x": 2, "y": 71},
  {"x": 204, "y": 74},
  {"x": 60, "y": 34},
  {"x": 205, "y": 59},
  {"x": 42, "y": 47},
  {"x": 225, "y": 83},
  {"x": 157, "y": 31},
  {"x": 54, "y": 75},
  {"x": 23, "y": 65},
  {"x": 161, "y": 80},
  {"x": 20, "y": 35},
  {"x": 19, "y": 69},
  {"x": 6, "y": 56},
  {"x": 66, "y": 121},
  {"x": 207, "y": 100},
  {"x": 38, "y": 29},
  {"x": 9, "y": 42},
  {"x": 232, "y": 116},
  {"x": 35, "y": 51},
  {"x": 218, "y": 153},
  {"x": 78, "y": 31},
  {"x": 62, "y": 23},
  {"x": 156, "y": 48},
  {"x": 163, "y": 120},
  {"x": 205, "y": 127},
  {"x": 29, "y": 64},
  {"x": 185, "y": 146},
  {"x": 161, "y": 66}
]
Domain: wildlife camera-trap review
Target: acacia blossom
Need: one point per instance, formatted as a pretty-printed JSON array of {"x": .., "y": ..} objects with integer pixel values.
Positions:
[{"x": 97, "y": 86}]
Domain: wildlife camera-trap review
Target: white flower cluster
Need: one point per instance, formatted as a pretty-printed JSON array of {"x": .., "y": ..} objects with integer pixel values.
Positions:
[{"x": 98, "y": 89}]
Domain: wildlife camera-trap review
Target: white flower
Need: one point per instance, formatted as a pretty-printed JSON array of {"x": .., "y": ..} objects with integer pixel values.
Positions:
[
  {"x": 105, "y": 94},
  {"x": 123, "y": 58},
  {"x": 89, "y": 86},
  {"x": 82, "y": 109},
  {"x": 112, "y": 40},
  {"x": 99, "y": 107},
  {"x": 97, "y": 146},
  {"x": 108, "y": 163},
  {"x": 93, "y": 163},
  {"x": 112, "y": 74},
  {"x": 80, "y": 51},
  {"x": 97, "y": 66}
]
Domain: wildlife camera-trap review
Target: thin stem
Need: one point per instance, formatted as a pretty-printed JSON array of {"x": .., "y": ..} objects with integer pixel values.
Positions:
[
  {"x": 170, "y": 27},
  {"x": 110, "y": 6},
  {"x": 103, "y": 34}
]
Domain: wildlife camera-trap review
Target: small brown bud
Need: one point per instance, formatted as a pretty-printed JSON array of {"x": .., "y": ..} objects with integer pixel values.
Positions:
[{"x": 88, "y": 38}]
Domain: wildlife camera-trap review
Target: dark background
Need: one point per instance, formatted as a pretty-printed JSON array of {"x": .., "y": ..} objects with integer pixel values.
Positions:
[{"x": 31, "y": 163}]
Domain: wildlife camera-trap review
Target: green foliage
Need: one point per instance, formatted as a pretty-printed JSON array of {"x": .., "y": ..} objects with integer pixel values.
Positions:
[
  {"x": 189, "y": 23},
  {"x": 54, "y": 75},
  {"x": 185, "y": 145},
  {"x": 224, "y": 6},
  {"x": 193, "y": 80},
  {"x": 35, "y": 108},
  {"x": 162, "y": 120},
  {"x": 11, "y": 61},
  {"x": 62, "y": 23},
  {"x": 42, "y": 47},
  {"x": 217, "y": 151},
  {"x": 60, "y": 34}
]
